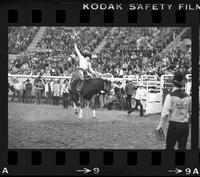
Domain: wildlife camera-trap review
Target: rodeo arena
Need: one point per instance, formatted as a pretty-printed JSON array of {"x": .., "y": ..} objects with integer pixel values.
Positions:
[{"x": 92, "y": 87}]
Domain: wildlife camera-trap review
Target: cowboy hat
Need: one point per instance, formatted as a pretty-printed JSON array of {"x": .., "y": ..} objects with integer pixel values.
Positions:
[
  {"x": 72, "y": 55},
  {"x": 86, "y": 53},
  {"x": 15, "y": 80},
  {"x": 179, "y": 79},
  {"x": 140, "y": 85},
  {"x": 69, "y": 59}
]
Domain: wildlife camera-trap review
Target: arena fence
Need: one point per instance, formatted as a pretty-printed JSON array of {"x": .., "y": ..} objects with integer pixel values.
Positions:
[{"x": 154, "y": 90}]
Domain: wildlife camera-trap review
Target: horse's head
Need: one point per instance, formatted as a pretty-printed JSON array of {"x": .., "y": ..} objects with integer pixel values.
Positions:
[{"x": 107, "y": 86}]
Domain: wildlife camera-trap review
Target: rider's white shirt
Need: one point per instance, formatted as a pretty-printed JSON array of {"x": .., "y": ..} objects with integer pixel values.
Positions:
[{"x": 83, "y": 63}]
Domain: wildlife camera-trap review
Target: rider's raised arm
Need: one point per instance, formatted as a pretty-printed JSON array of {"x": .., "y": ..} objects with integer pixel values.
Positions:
[{"x": 77, "y": 51}]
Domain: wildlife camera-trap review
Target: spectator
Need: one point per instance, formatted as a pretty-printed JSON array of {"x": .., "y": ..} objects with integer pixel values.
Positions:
[
  {"x": 56, "y": 92},
  {"x": 109, "y": 101},
  {"x": 138, "y": 98},
  {"x": 39, "y": 88},
  {"x": 23, "y": 92},
  {"x": 17, "y": 87},
  {"x": 129, "y": 92},
  {"x": 101, "y": 99},
  {"x": 117, "y": 90},
  {"x": 28, "y": 87},
  {"x": 65, "y": 94},
  {"x": 48, "y": 91}
]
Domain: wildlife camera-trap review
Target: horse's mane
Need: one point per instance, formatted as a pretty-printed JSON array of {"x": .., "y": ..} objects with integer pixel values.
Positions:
[
  {"x": 92, "y": 79},
  {"x": 87, "y": 80}
]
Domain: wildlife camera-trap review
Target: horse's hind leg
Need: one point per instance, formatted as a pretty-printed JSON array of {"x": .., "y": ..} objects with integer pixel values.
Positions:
[
  {"x": 93, "y": 107},
  {"x": 80, "y": 114},
  {"x": 82, "y": 101}
]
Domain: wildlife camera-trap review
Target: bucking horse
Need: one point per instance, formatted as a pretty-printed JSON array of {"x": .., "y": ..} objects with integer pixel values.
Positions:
[{"x": 90, "y": 87}]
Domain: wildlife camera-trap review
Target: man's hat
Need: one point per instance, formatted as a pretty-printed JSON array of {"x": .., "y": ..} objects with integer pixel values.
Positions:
[
  {"x": 66, "y": 80},
  {"x": 179, "y": 79},
  {"x": 27, "y": 80},
  {"x": 140, "y": 85},
  {"x": 15, "y": 80},
  {"x": 86, "y": 53},
  {"x": 73, "y": 55}
]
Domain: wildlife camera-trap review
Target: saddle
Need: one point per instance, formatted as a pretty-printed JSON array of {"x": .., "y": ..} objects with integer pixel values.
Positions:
[{"x": 86, "y": 79}]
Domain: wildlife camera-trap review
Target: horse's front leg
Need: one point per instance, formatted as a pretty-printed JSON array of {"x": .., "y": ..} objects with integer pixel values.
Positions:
[
  {"x": 93, "y": 113},
  {"x": 75, "y": 108}
]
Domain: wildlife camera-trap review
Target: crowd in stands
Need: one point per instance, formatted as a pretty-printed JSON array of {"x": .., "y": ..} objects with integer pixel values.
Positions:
[
  {"x": 127, "y": 51},
  {"x": 58, "y": 38},
  {"x": 19, "y": 38},
  {"x": 137, "y": 51}
]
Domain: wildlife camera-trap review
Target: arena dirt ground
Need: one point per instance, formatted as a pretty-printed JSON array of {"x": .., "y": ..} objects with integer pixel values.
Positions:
[{"x": 52, "y": 127}]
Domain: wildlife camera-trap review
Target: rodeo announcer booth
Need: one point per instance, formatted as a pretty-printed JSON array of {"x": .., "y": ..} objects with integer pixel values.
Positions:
[{"x": 177, "y": 109}]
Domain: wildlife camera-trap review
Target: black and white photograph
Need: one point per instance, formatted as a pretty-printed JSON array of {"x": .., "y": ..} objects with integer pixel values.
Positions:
[{"x": 99, "y": 87}]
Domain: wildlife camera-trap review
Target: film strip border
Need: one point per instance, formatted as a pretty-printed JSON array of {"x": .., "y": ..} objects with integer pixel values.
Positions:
[
  {"x": 85, "y": 16},
  {"x": 109, "y": 162},
  {"x": 36, "y": 16},
  {"x": 102, "y": 162}
]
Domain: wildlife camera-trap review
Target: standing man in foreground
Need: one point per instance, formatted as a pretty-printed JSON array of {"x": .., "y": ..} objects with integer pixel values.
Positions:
[{"x": 177, "y": 109}]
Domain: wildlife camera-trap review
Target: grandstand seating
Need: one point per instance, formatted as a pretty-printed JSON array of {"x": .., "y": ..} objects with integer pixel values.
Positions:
[
  {"x": 58, "y": 38},
  {"x": 19, "y": 38},
  {"x": 122, "y": 54}
]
